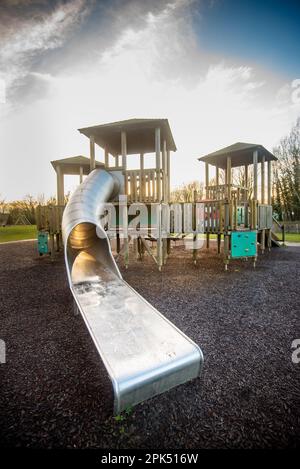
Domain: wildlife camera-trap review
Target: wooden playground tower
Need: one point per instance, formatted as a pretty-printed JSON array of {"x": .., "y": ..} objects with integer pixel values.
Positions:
[
  {"x": 146, "y": 185},
  {"x": 136, "y": 137},
  {"x": 240, "y": 214}
]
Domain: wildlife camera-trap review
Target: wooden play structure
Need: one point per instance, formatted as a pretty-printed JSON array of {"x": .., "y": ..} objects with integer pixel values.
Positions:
[
  {"x": 147, "y": 185},
  {"x": 241, "y": 213},
  {"x": 236, "y": 213}
]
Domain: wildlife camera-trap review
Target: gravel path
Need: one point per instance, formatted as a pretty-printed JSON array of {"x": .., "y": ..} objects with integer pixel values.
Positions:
[{"x": 55, "y": 391}]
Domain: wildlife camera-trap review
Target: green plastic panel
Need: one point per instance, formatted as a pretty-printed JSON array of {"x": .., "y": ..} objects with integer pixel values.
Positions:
[
  {"x": 243, "y": 244},
  {"x": 43, "y": 242}
]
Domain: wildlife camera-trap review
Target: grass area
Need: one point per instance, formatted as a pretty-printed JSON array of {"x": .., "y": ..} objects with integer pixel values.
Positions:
[
  {"x": 20, "y": 232},
  {"x": 17, "y": 233},
  {"x": 292, "y": 237}
]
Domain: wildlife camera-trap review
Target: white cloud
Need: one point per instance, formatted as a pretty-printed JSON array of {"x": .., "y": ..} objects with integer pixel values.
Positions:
[
  {"x": 23, "y": 39},
  {"x": 152, "y": 68}
]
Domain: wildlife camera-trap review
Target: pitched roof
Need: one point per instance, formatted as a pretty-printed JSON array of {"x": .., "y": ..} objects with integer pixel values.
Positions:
[
  {"x": 140, "y": 135},
  {"x": 72, "y": 164},
  {"x": 241, "y": 154}
]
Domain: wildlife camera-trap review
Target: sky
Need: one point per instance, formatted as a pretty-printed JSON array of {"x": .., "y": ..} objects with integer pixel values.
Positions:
[{"x": 221, "y": 71}]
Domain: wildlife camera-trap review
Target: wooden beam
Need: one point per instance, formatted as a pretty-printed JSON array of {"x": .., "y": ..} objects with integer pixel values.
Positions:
[
  {"x": 228, "y": 177},
  {"x": 106, "y": 158},
  {"x": 124, "y": 150},
  {"x": 246, "y": 176},
  {"x": 123, "y": 206},
  {"x": 60, "y": 186},
  {"x": 217, "y": 175},
  {"x": 269, "y": 182},
  {"x": 169, "y": 177},
  {"x": 92, "y": 153},
  {"x": 206, "y": 180},
  {"x": 58, "y": 171},
  {"x": 164, "y": 168},
  {"x": 159, "y": 237},
  {"x": 124, "y": 156},
  {"x": 263, "y": 180},
  {"x": 255, "y": 165},
  {"x": 157, "y": 153},
  {"x": 142, "y": 182}
]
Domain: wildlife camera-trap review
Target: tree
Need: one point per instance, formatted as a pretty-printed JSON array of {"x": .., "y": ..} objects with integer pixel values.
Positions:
[
  {"x": 3, "y": 205},
  {"x": 287, "y": 175},
  {"x": 186, "y": 192}
]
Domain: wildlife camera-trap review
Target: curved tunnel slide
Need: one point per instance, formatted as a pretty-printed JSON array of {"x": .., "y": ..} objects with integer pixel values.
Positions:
[{"x": 143, "y": 352}]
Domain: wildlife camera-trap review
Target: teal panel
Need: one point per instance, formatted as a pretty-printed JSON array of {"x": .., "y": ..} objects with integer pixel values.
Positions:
[
  {"x": 243, "y": 244},
  {"x": 43, "y": 242}
]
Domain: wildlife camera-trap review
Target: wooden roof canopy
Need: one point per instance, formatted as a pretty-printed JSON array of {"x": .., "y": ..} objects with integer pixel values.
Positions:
[
  {"x": 73, "y": 164},
  {"x": 241, "y": 154},
  {"x": 140, "y": 135}
]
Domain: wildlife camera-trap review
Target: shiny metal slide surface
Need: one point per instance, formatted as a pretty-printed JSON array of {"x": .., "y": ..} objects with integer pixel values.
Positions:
[{"x": 143, "y": 352}]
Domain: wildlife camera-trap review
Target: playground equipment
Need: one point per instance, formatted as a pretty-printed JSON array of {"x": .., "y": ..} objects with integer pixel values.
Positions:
[
  {"x": 239, "y": 212},
  {"x": 149, "y": 186},
  {"x": 144, "y": 353},
  {"x": 235, "y": 212}
]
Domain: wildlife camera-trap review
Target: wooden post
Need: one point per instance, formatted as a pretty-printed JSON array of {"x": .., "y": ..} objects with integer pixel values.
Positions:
[
  {"x": 157, "y": 153},
  {"x": 263, "y": 241},
  {"x": 263, "y": 179},
  {"x": 228, "y": 177},
  {"x": 60, "y": 186},
  {"x": 123, "y": 202},
  {"x": 246, "y": 176},
  {"x": 164, "y": 250},
  {"x": 159, "y": 237},
  {"x": 52, "y": 246},
  {"x": 219, "y": 242},
  {"x": 169, "y": 176},
  {"x": 80, "y": 174},
  {"x": 255, "y": 159},
  {"x": 106, "y": 158},
  {"x": 142, "y": 189},
  {"x": 92, "y": 153},
  {"x": 206, "y": 180},
  {"x": 164, "y": 168},
  {"x": 269, "y": 182},
  {"x": 226, "y": 250},
  {"x": 58, "y": 173},
  {"x": 57, "y": 241},
  {"x": 262, "y": 190},
  {"x": 116, "y": 161},
  {"x": 217, "y": 191},
  {"x": 124, "y": 156}
]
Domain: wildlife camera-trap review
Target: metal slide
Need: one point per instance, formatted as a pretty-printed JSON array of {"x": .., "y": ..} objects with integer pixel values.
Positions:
[{"x": 143, "y": 352}]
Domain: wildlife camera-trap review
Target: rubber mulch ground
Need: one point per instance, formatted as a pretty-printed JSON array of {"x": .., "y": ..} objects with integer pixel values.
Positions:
[{"x": 55, "y": 391}]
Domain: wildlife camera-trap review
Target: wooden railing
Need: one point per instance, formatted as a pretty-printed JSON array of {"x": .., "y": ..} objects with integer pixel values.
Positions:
[
  {"x": 142, "y": 185},
  {"x": 226, "y": 191},
  {"x": 49, "y": 217}
]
